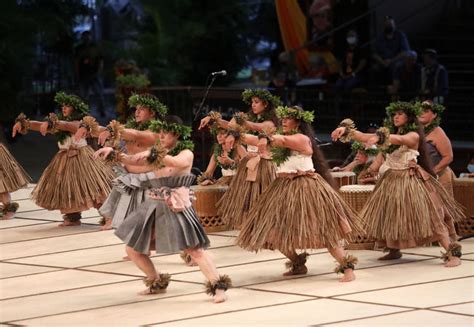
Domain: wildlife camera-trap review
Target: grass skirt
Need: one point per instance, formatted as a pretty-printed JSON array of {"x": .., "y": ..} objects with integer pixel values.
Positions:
[
  {"x": 302, "y": 212},
  {"x": 224, "y": 180},
  {"x": 406, "y": 211},
  {"x": 73, "y": 182},
  {"x": 242, "y": 195},
  {"x": 12, "y": 175}
]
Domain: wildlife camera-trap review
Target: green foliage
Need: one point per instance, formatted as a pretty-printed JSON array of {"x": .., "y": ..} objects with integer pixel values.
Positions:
[
  {"x": 135, "y": 81},
  {"x": 74, "y": 101},
  {"x": 181, "y": 41},
  {"x": 148, "y": 100},
  {"x": 25, "y": 24},
  {"x": 294, "y": 113}
]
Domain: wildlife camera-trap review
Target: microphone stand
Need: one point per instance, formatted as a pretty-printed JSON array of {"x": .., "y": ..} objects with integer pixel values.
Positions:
[
  {"x": 199, "y": 111},
  {"x": 204, "y": 97}
]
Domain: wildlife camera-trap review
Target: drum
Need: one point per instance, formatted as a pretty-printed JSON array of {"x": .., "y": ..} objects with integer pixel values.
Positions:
[
  {"x": 205, "y": 206},
  {"x": 356, "y": 196},
  {"x": 463, "y": 189},
  {"x": 344, "y": 177}
]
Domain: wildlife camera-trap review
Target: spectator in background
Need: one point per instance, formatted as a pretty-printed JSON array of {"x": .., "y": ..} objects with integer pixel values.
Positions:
[
  {"x": 389, "y": 50},
  {"x": 89, "y": 64},
  {"x": 353, "y": 63},
  {"x": 406, "y": 78},
  {"x": 282, "y": 87},
  {"x": 434, "y": 78}
]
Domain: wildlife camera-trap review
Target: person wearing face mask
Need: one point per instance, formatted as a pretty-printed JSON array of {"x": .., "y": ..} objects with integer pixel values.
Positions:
[
  {"x": 353, "y": 63},
  {"x": 470, "y": 168},
  {"x": 389, "y": 49}
]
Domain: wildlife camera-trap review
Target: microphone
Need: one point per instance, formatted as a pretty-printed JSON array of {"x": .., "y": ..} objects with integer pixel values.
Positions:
[{"x": 221, "y": 73}]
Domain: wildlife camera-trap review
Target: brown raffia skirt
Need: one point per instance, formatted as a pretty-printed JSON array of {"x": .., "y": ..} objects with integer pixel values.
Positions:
[
  {"x": 446, "y": 178},
  {"x": 73, "y": 182},
  {"x": 242, "y": 195},
  {"x": 302, "y": 212},
  {"x": 12, "y": 175},
  {"x": 224, "y": 180},
  {"x": 406, "y": 211}
]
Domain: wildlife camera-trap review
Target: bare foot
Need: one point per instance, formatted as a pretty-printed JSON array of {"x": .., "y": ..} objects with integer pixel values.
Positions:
[
  {"x": 301, "y": 270},
  {"x": 220, "y": 296},
  {"x": 349, "y": 276},
  {"x": 392, "y": 255},
  {"x": 453, "y": 262},
  {"x": 8, "y": 215},
  {"x": 107, "y": 225},
  {"x": 67, "y": 223}
]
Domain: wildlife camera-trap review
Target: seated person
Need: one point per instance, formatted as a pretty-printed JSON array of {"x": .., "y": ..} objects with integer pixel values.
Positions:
[
  {"x": 362, "y": 160},
  {"x": 353, "y": 63},
  {"x": 406, "y": 78}
]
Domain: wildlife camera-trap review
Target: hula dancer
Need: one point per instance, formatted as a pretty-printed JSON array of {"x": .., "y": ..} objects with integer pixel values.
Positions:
[
  {"x": 133, "y": 137},
  {"x": 408, "y": 207},
  {"x": 167, "y": 222},
  {"x": 73, "y": 182},
  {"x": 300, "y": 209},
  {"x": 227, "y": 152},
  {"x": 12, "y": 178},
  {"x": 438, "y": 143},
  {"x": 254, "y": 172},
  {"x": 363, "y": 159}
]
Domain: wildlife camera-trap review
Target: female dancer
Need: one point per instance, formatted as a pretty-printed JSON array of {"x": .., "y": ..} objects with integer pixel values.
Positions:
[
  {"x": 12, "y": 178},
  {"x": 73, "y": 182},
  {"x": 408, "y": 206},
  {"x": 254, "y": 172},
  {"x": 167, "y": 221},
  {"x": 137, "y": 135},
  {"x": 226, "y": 155},
  {"x": 438, "y": 143},
  {"x": 300, "y": 209}
]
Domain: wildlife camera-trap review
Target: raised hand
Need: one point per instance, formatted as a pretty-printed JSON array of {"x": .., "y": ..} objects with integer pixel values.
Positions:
[
  {"x": 103, "y": 137},
  {"x": 44, "y": 128},
  {"x": 337, "y": 133},
  {"x": 16, "y": 129},
  {"x": 103, "y": 153},
  {"x": 204, "y": 122},
  {"x": 80, "y": 134}
]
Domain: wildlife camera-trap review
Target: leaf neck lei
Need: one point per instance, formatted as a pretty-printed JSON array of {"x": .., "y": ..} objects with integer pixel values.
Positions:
[
  {"x": 181, "y": 146},
  {"x": 359, "y": 168},
  {"x": 218, "y": 151},
  {"x": 281, "y": 154},
  {"x": 431, "y": 126},
  {"x": 411, "y": 127},
  {"x": 133, "y": 124},
  {"x": 63, "y": 135}
]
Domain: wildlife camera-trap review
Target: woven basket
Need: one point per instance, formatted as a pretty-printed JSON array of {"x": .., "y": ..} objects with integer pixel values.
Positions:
[
  {"x": 464, "y": 193},
  {"x": 205, "y": 206},
  {"x": 356, "y": 196}
]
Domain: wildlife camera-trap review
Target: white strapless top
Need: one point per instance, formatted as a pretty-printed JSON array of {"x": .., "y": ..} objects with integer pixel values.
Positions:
[
  {"x": 296, "y": 162},
  {"x": 252, "y": 148},
  {"x": 69, "y": 142},
  {"x": 399, "y": 159},
  {"x": 228, "y": 172}
]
